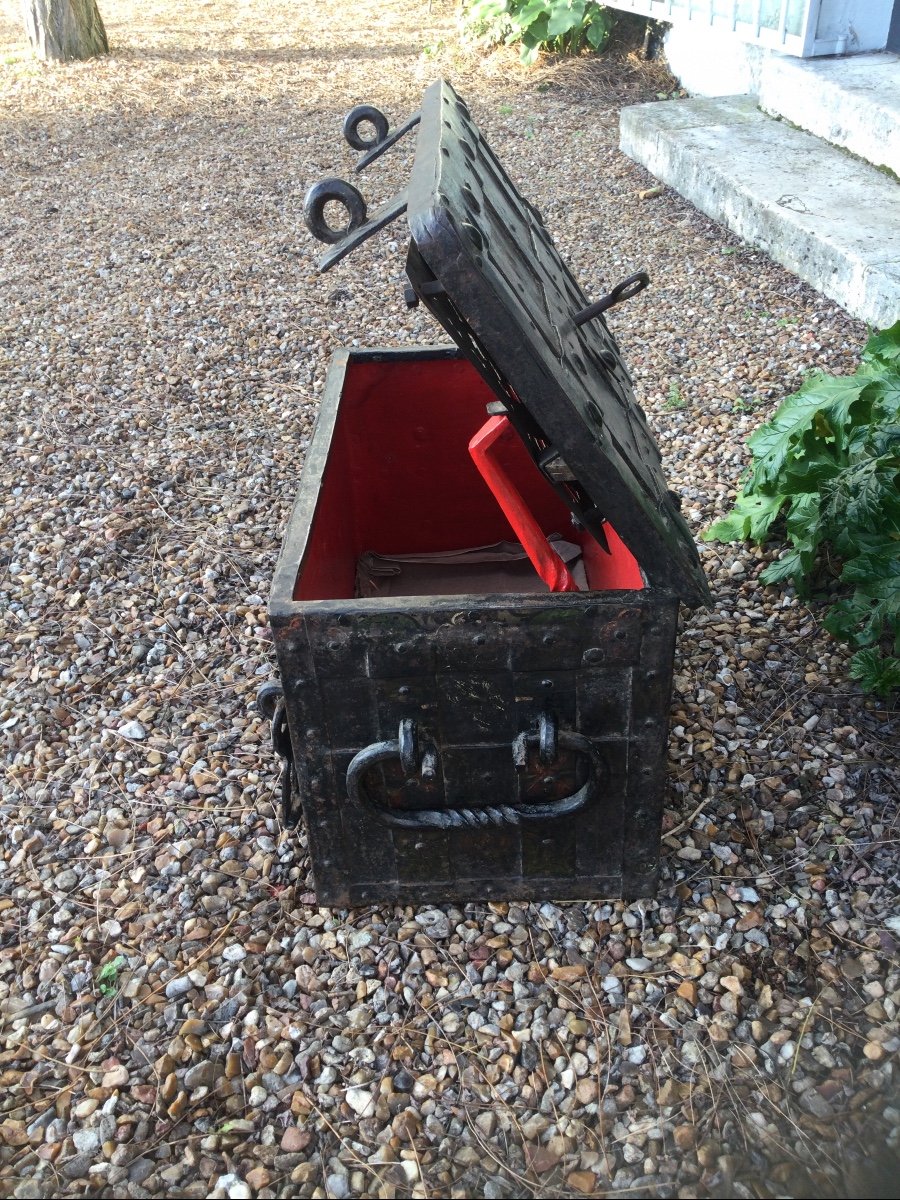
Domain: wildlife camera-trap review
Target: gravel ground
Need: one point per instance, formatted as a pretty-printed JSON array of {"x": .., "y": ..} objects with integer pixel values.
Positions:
[{"x": 178, "y": 1017}]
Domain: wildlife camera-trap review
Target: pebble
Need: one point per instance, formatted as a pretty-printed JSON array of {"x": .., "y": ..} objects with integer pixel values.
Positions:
[
  {"x": 690, "y": 853},
  {"x": 133, "y": 730},
  {"x": 178, "y": 987},
  {"x": 639, "y": 964},
  {"x": 79, "y": 1166},
  {"x": 202, "y": 1074},
  {"x": 86, "y": 1141},
  {"x": 435, "y": 922},
  {"x": 294, "y": 1140},
  {"x": 361, "y": 1101},
  {"x": 233, "y": 1187},
  {"x": 140, "y": 1169},
  {"x": 116, "y": 1077}
]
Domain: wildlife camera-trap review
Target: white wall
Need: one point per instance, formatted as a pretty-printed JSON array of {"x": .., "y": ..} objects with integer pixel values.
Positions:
[
  {"x": 854, "y": 25},
  {"x": 708, "y": 62},
  {"x": 842, "y": 27}
]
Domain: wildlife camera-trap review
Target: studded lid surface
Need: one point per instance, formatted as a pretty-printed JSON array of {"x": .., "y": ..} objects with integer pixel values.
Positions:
[{"x": 484, "y": 265}]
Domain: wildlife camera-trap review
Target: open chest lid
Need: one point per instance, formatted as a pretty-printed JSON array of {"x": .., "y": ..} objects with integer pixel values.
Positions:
[{"x": 482, "y": 262}]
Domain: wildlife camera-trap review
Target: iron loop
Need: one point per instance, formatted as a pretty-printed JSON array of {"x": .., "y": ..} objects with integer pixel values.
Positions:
[
  {"x": 291, "y": 809},
  {"x": 267, "y": 698},
  {"x": 408, "y": 743},
  {"x": 314, "y": 208},
  {"x": 622, "y": 291},
  {"x": 365, "y": 113},
  {"x": 547, "y": 739},
  {"x": 281, "y": 736}
]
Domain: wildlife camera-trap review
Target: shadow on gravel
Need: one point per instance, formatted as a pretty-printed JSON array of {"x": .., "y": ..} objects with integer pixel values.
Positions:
[{"x": 265, "y": 56}]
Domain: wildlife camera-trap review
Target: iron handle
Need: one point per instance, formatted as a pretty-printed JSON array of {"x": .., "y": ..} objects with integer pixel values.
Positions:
[
  {"x": 404, "y": 748},
  {"x": 365, "y": 113},
  {"x": 322, "y": 193},
  {"x": 270, "y": 704}
]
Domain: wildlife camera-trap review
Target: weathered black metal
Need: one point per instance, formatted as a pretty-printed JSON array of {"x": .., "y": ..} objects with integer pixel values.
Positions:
[
  {"x": 548, "y": 740},
  {"x": 476, "y": 674},
  {"x": 509, "y": 302},
  {"x": 622, "y": 291},
  {"x": 341, "y": 192},
  {"x": 270, "y": 702},
  {"x": 368, "y": 114},
  {"x": 360, "y": 226},
  {"x": 374, "y": 147},
  {"x": 491, "y": 746}
]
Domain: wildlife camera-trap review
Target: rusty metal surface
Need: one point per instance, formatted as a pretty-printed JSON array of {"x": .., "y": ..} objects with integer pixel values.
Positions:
[
  {"x": 540, "y": 724},
  {"x": 483, "y": 263},
  {"x": 488, "y": 747}
]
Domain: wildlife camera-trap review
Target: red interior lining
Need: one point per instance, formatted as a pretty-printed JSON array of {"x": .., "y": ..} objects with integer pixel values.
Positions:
[{"x": 400, "y": 480}]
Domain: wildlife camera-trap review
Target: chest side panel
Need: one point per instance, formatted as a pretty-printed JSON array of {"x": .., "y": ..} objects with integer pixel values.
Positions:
[{"x": 473, "y": 681}]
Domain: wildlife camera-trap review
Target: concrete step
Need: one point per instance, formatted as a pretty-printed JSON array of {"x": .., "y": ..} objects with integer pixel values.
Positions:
[
  {"x": 851, "y": 102},
  {"x": 829, "y": 218}
]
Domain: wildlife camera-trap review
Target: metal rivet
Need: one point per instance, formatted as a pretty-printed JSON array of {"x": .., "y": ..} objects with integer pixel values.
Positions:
[
  {"x": 479, "y": 639},
  {"x": 620, "y": 635},
  {"x": 403, "y": 691},
  {"x": 594, "y": 655},
  {"x": 334, "y": 645},
  {"x": 547, "y": 683},
  {"x": 402, "y": 647},
  {"x": 548, "y": 639},
  {"x": 310, "y": 733}
]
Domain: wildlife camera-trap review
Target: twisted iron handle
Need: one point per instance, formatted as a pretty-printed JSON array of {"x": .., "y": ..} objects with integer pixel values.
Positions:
[{"x": 490, "y": 815}]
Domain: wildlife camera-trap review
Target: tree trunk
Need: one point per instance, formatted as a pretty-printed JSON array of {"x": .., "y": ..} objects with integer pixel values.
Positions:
[{"x": 61, "y": 30}]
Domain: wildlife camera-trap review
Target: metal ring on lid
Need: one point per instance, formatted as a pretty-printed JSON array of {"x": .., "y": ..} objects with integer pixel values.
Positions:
[
  {"x": 360, "y": 115},
  {"x": 322, "y": 193}
]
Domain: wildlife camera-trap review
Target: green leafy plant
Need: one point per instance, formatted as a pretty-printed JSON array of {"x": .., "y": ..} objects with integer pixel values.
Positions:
[
  {"x": 745, "y": 405},
  {"x": 563, "y": 26},
  {"x": 674, "y": 399},
  {"x": 826, "y": 468},
  {"x": 107, "y": 977}
]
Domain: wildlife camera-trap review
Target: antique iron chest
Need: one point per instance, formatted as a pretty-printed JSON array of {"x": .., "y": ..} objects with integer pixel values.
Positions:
[{"x": 455, "y": 729}]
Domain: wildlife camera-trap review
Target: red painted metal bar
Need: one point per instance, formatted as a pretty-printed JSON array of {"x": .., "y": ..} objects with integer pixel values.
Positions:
[{"x": 483, "y": 449}]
